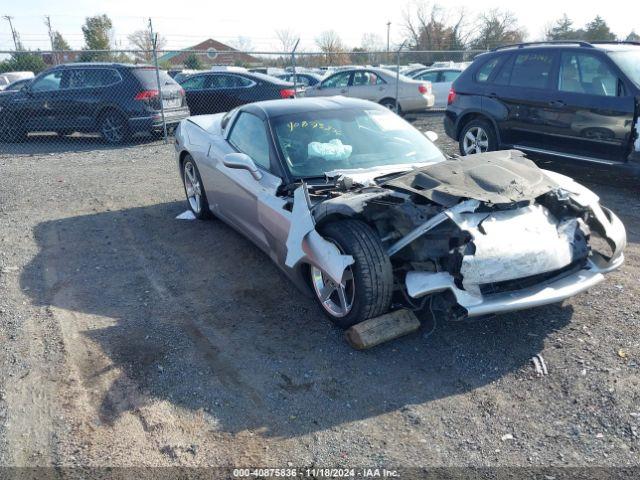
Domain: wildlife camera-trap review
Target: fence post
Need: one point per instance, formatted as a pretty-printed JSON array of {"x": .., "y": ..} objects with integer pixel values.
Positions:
[
  {"x": 293, "y": 64},
  {"x": 154, "y": 44},
  {"x": 398, "y": 77}
]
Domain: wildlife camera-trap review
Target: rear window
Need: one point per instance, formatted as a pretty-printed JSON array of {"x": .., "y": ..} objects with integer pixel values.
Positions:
[
  {"x": 486, "y": 70},
  {"x": 147, "y": 77}
]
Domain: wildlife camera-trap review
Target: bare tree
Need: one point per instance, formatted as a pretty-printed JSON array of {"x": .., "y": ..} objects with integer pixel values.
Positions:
[
  {"x": 242, "y": 44},
  {"x": 330, "y": 43},
  {"x": 141, "y": 40},
  {"x": 497, "y": 27},
  {"x": 287, "y": 39},
  {"x": 372, "y": 44},
  {"x": 434, "y": 28}
]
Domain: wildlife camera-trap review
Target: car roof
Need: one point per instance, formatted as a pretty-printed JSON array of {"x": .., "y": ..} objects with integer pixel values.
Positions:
[
  {"x": 276, "y": 108},
  {"x": 103, "y": 64},
  {"x": 578, "y": 44}
]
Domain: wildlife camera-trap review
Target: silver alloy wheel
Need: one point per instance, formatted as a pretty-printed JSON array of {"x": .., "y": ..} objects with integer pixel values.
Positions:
[
  {"x": 336, "y": 299},
  {"x": 112, "y": 128},
  {"x": 192, "y": 187},
  {"x": 475, "y": 140}
]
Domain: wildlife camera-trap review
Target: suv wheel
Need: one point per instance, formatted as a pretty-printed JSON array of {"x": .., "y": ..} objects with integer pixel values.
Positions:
[
  {"x": 113, "y": 127},
  {"x": 477, "y": 136}
]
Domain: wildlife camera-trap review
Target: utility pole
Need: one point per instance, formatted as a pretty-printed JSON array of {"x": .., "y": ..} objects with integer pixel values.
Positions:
[
  {"x": 154, "y": 40},
  {"x": 388, "y": 31},
  {"x": 54, "y": 55},
  {"x": 16, "y": 41}
]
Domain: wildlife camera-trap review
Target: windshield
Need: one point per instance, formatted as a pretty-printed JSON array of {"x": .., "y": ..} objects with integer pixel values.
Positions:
[
  {"x": 629, "y": 63},
  {"x": 313, "y": 143}
]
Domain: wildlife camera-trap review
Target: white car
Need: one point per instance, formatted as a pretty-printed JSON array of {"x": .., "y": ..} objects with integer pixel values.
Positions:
[
  {"x": 8, "y": 78},
  {"x": 377, "y": 85},
  {"x": 441, "y": 80}
]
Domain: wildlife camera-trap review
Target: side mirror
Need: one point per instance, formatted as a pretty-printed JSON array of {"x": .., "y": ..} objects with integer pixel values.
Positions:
[
  {"x": 242, "y": 161},
  {"x": 431, "y": 135}
]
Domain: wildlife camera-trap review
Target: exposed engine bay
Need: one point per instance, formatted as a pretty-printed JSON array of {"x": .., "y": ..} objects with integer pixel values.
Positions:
[{"x": 475, "y": 235}]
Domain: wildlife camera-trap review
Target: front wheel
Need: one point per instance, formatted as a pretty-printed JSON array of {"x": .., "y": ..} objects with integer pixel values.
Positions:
[
  {"x": 194, "y": 189},
  {"x": 366, "y": 287},
  {"x": 477, "y": 136}
]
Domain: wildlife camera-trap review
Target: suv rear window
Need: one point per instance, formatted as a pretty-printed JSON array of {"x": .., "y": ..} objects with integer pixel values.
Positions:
[
  {"x": 529, "y": 70},
  {"x": 485, "y": 70},
  {"x": 147, "y": 77}
]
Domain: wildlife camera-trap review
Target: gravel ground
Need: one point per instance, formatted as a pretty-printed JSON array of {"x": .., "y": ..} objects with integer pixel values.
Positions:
[{"x": 133, "y": 338}]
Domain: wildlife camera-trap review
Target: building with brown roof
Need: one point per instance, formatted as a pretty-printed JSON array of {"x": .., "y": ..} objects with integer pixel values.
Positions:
[{"x": 209, "y": 54}]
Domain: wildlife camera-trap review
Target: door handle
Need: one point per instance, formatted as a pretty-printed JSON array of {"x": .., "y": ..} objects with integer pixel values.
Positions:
[{"x": 557, "y": 103}]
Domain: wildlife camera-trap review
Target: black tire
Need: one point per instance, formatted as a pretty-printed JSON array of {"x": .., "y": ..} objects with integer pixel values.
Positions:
[
  {"x": 113, "y": 127},
  {"x": 372, "y": 272},
  {"x": 199, "y": 205},
  {"x": 390, "y": 103},
  {"x": 475, "y": 127},
  {"x": 11, "y": 129}
]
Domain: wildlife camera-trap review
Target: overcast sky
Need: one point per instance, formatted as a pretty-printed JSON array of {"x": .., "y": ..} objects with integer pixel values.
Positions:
[{"x": 185, "y": 23}]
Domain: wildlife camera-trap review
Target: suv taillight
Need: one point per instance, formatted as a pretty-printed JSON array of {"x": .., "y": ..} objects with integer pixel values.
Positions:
[
  {"x": 287, "y": 93},
  {"x": 452, "y": 96},
  {"x": 147, "y": 95}
]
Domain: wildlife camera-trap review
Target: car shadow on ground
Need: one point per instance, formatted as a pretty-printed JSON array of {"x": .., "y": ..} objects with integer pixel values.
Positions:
[
  {"x": 193, "y": 314},
  {"x": 51, "y": 143}
]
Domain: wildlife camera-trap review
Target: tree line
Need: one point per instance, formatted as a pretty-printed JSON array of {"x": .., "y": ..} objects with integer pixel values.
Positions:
[{"x": 425, "y": 28}]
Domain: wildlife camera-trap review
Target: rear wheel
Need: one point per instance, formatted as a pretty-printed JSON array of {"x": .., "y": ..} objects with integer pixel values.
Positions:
[
  {"x": 477, "y": 136},
  {"x": 366, "y": 287},
  {"x": 194, "y": 190},
  {"x": 113, "y": 127},
  {"x": 390, "y": 103}
]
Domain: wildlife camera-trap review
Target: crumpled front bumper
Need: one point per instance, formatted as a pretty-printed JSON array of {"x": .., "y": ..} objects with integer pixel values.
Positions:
[{"x": 553, "y": 290}]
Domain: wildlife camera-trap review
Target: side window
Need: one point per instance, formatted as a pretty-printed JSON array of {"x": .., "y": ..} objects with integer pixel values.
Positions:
[
  {"x": 300, "y": 80},
  {"x": 249, "y": 136},
  {"x": 220, "y": 81},
  {"x": 193, "y": 83},
  {"x": 450, "y": 75},
  {"x": 486, "y": 70},
  {"x": 531, "y": 70},
  {"x": 366, "y": 78},
  {"x": 48, "y": 83},
  {"x": 339, "y": 80},
  {"x": 242, "y": 82},
  {"x": 92, "y": 78},
  {"x": 428, "y": 77},
  {"x": 585, "y": 73}
]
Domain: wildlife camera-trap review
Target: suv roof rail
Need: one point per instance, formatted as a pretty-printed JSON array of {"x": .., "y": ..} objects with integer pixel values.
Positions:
[
  {"x": 546, "y": 42},
  {"x": 615, "y": 42}
]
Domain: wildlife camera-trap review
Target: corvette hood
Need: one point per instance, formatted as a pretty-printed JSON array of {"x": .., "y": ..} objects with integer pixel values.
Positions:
[{"x": 495, "y": 177}]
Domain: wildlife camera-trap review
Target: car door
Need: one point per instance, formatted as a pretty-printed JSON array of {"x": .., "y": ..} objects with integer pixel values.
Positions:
[
  {"x": 196, "y": 94},
  {"x": 523, "y": 88},
  {"x": 597, "y": 112},
  {"x": 85, "y": 89},
  {"x": 236, "y": 191},
  {"x": 336, "y": 84},
  {"x": 223, "y": 93},
  {"x": 39, "y": 106},
  {"x": 367, "y": 85},
  {"x": 443, "y": 85},
  {"x": 434, "y": 76}
]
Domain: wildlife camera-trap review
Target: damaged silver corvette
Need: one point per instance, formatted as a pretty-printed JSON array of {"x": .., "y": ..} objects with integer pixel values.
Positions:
[{"x": 363, "y": 212}]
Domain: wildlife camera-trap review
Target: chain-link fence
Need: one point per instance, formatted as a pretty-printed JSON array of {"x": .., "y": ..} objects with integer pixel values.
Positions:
[{"x": 103, "y": 99}]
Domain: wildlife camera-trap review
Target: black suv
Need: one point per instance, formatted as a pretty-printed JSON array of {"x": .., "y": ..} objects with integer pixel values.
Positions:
[
  {"x": 578, "y": 101},
  {"x": 113, "y": 99}
]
